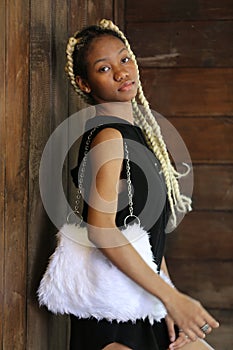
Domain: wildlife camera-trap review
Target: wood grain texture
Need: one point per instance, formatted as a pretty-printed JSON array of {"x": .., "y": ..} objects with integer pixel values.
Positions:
[
  {"x": 190, "y": 91},
  {"x": 213, "y": 187},
  {"x": 98, "y": 10},
  {"x": 202, "y": 236},
  {"x": 208, "y": 140},
  {"x": 119, "y": 13},
  {"x": 47, "y": 81},
  {"x": 59, "y": 82},
  {"x": 2, "y": 161},
  {"x": 209, "y": 281},
  {"x": 173, "y": 10},
  {"x": 16, "y": 174},
  {"x": 182, "y": 44}
]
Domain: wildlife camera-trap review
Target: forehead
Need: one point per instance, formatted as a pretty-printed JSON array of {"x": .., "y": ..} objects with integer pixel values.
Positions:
[{"x": 104, "y": 46}]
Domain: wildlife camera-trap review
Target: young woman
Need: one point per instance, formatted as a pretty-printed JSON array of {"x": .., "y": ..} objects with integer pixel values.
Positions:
[{"x": 103, "y": 71}]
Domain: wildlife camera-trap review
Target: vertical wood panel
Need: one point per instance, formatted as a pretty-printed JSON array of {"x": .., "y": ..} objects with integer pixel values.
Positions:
[
  {"x": 51, "y": 102},
  {"x": 78, "y": 18},
  {"x": 97, "y": 10},
  {"x": 59, "y": 88},
  {"x": 40, "y": 231},
  {"x": 16, "y": 186},
  {"x": 48, "y": 108},
  {"x": 119, "y": 13},
  {"x": 2, "y": 163}
]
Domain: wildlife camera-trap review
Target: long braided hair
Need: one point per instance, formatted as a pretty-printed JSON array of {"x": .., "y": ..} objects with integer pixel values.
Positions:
[{"x": 76, "y": 51}]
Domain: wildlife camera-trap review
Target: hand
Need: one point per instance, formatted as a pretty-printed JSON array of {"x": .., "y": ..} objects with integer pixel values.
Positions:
[
  {"x": 181, "y": 340},
  {"x": 189, "y": 315}
]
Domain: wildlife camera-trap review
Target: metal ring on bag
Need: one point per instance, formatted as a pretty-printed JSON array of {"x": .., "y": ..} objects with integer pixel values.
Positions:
[
  {"x": 76, "y": 216},
  {"x": 130, "y": 216}
]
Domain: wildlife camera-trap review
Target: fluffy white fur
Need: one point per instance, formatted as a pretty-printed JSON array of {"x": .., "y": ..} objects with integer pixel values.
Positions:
[{"x": 80, "y": 280}]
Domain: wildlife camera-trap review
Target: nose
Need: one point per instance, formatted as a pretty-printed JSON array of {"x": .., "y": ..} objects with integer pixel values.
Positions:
[{"x": 120, "y": 74}]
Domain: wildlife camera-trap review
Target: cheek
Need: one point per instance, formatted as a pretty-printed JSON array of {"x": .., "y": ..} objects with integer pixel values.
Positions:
[{"x": 133, "y": 70}]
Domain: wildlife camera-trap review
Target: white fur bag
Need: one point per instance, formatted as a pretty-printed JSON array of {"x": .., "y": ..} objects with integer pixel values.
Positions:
[{"x": 80, "y": 280}]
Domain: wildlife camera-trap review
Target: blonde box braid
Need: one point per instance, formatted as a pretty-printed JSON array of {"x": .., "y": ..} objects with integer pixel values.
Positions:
[
  {"x": 154, "y": 138},
  {"x": 69, "y": 68},
  {"x": 148, "y": 124}
]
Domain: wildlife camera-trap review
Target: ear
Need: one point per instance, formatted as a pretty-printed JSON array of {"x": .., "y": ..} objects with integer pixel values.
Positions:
[{"x": 83, "y": 84}]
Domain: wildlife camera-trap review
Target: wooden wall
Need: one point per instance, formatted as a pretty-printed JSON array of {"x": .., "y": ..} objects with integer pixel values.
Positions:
[
  {"x": 35, "y": 98},
  {"x": 14, "y": 143},
  {"x": 185, "y": 53}
]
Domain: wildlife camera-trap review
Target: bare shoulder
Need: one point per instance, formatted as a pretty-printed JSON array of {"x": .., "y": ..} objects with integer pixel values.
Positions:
[{"x": 107, "y": 134}]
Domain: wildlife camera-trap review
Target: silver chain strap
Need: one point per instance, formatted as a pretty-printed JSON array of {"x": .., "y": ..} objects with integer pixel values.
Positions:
[
  {"x": 129, "y": 183},
  {"x": 81, "y": 178}
]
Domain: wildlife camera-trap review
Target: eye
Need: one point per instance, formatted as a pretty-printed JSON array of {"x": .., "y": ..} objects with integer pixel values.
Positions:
[
  {"x": 104, "y": 69},
  {"x": 125, "y": 59}
]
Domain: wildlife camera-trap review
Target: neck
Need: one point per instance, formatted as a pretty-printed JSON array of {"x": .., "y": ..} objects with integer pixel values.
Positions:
[{"x": 122, "y": 110}]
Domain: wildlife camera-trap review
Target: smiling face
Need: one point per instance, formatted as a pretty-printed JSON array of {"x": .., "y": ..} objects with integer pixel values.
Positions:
[{"x": 111, "y": 73}]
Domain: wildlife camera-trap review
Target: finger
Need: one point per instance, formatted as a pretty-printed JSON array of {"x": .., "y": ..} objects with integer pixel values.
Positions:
[
  {"x": 171, "y": 331},
  {"x": 210, "y": 320},
  {"x": 179, "y": 342},
  {"x": 198, "y": 332},
  {"x": 208, "y": 331},
  {"x": 192, "y": 334}
]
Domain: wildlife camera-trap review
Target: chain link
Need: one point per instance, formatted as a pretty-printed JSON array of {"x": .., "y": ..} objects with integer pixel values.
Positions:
[
  {"x": 129, "y": 183},
  {"x": 82, "y": 171},
  {"x": 81, "y": 175}
]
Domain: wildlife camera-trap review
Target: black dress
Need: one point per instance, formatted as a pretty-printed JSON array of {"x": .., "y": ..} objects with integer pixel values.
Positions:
[{"x": 151, "y": 206}]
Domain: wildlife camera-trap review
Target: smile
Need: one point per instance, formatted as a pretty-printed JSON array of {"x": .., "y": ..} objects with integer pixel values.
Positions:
[{"x": 126, "y": 86}]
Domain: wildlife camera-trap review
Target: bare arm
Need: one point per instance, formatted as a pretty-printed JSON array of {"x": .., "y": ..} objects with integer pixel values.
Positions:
[{"x": 106, "y": 163}]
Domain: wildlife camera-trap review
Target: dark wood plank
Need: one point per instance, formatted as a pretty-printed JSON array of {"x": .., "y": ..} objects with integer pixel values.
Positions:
[
  {"x": 170, "y": 10},
  {"x": 2, "y": 159},
  {"x": 222, "y": 338},
  {"x": 87, "y": 12},
  {"x": 208, "y": 140},
  {"x": 197, "y": 136},
  {"x": 98, "y": 10},
  {"x": 44, "y": 331},
  {"x": 119, "y": 14},
  {"x": 16, "y": 185},
  {"x": 78, "y": 19},
  {"x": 209, "y": 281},
  {"x": 190, "y": 91},
  {"x": 202, "y": 235},
  {"x": 213, "y": 187},
  {"x": 183, "y": 44},
  {"x": 59, "y": 326}
]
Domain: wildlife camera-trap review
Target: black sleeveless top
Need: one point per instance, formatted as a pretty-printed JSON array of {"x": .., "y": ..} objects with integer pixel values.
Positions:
[{"x": 150, "y": 204}]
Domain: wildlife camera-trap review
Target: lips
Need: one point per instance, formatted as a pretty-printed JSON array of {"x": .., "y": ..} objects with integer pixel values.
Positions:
[{"x": 126, "y": 86}]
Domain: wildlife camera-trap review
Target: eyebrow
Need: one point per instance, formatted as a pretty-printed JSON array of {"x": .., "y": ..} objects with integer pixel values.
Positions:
[{"x": 106, "y": 58}]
